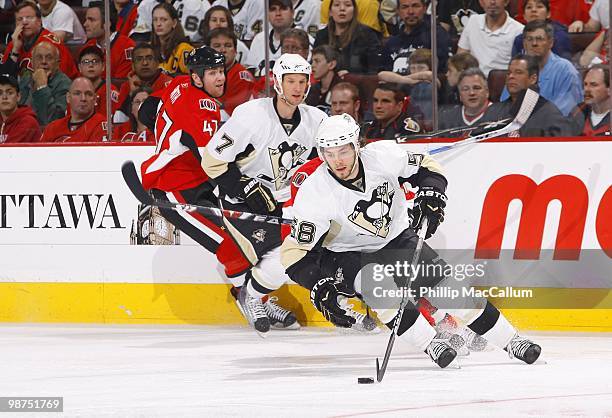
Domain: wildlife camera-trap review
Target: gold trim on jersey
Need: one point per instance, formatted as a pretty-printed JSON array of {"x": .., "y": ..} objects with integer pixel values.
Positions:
[{"x": 211, "y": 166}]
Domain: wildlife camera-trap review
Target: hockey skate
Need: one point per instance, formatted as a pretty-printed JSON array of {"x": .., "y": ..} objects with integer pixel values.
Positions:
[
  {"x": 279, "y": 317},
  {"x": 474, "y": 342},
  {"x": 523, "y": 349},
  {"x": 363, "y": 322},
  {"x": 254, "y": 311},
  {"x": 456, "y": 341},
  {"x": 441, "y": 353}
]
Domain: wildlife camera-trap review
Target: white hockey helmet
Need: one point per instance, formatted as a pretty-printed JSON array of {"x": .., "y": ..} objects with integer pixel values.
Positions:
[
  {"x": 290, "y": 64},
  {"x": 338, "y": 130}
]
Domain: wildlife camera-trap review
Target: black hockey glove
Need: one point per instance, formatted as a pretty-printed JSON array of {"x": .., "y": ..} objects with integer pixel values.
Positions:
[
  {"x": 429, "y": 203},
  {"x": 324, "y": 296},
  {"x": 257, "y": 196}
]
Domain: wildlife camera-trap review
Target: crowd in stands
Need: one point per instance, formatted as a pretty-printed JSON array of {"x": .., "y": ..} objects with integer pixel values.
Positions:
[{"x": 370, "y": 58}]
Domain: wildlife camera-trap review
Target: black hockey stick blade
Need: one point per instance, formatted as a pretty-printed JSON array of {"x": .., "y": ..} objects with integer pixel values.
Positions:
[
  {"x": 130, "y": 175},
  {"x": 380, "y": 370}
]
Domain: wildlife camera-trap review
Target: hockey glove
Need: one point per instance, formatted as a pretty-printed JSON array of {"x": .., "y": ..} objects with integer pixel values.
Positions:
[
  {"x": 257, "y": 196},
  {"x": 324, "y": 296},
  {"x": 429, "y": 203}
]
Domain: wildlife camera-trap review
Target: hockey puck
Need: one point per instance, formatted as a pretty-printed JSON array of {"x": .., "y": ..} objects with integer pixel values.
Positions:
[{"x": 364, "y": 380}]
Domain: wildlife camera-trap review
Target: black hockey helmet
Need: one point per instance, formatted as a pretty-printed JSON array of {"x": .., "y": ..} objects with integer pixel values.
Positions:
[{"x": 204, "y": 58}]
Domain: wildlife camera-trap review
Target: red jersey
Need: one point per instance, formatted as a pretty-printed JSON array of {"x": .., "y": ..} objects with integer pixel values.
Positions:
[
  {"x": 21, "y": 126},
  {"x": 563, "y": 11},
  {"x": 127, "y": 19},
  {"x": 67, "y": 65},
  {"x": 101, "y": 99},
  {"x": 124, "y": 132},
  {"x": 186, "y": 120},
  {"x": 160, "y": 82},
  {"x": 238, "y": 87},
  {"x": 121, "y": 54},
  {"x": 90, "y": 130},
  {"x": 296, "y": 181}
]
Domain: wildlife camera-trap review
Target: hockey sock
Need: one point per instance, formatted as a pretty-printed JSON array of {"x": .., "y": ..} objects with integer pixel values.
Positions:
[
  {"x": 493, "y": 326},
  {"x": 414, "y": 329},
  {"x": 256, "y": 289}
]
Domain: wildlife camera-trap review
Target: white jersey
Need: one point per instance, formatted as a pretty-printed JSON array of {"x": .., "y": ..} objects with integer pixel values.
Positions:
[
  {"x": 191, "y": 13},
  {"x": 354, "y": 220},
  {"x": 242, "y": 52},
  {"x": 257, "y": 54},
  {"x": 248, "y": 20},
  {"x": 307, "y": 15},
  {"x": 256, "y": 140}
]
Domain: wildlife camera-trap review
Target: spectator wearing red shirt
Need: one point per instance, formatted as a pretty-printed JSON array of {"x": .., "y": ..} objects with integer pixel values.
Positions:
[
  {"x": 83, "y": 124},
  {"x": 120, "y": 45},
  {"x": 91, "y": 66},
  {"x": 127, "y": 13},
  {"x": 239, "y": 81},
  {"x": 145, "y": 72},
  {"x": 563, "y": 11},
  {"x": 17, "y": 58},
  {"x": 18, "y": 123},
  {"x": 134, "y": 130}
]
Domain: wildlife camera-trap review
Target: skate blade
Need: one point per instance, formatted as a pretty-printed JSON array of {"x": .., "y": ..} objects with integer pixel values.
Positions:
[
  {"x": 262, "y": 335},
  {"x": 293, "y": 327}
]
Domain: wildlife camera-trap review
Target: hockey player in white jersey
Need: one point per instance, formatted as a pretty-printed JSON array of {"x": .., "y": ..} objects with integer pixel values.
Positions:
[
  {"x": 252, "y": 158},
  {"x": 191, "y": 13},
  {"x": 248, "y": 16},
  {"x": 307, "y": 15},
  {"x": 365, "y": 220}
]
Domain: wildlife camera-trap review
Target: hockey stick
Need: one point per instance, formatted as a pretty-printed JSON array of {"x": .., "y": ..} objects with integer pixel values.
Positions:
[
  {"x": 130, "y": 175},
  {"x": 381, "y": 369},
  {"x": 484, "y": 125},
  {"x": 527, "y": 106}
]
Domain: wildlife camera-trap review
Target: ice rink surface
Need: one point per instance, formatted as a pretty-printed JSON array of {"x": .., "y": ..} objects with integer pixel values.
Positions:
[{"x": 184, "y": 371}]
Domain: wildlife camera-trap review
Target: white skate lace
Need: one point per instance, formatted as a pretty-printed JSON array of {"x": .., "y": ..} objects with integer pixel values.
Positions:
[
  {"x": 518, "y": 346},
  {"x": 435, "y": 348},
  {"x": 474, "y": 341},
  {"x": 456, "y": 341},
  {"x": 274, "y": 311},
  {"x": 255, "y": 308}
]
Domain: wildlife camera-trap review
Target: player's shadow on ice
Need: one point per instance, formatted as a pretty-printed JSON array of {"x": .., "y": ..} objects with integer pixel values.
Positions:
[{"x": 323, "y": 365}]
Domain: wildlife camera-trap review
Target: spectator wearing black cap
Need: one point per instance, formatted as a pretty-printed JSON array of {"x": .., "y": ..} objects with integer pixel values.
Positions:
[{"x": 19, "y": 123}]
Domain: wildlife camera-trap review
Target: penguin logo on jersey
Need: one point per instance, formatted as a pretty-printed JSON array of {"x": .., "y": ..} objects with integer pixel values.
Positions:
[
  {"x": 374, "y": 215},
  {"x": 283, "y": 160}
]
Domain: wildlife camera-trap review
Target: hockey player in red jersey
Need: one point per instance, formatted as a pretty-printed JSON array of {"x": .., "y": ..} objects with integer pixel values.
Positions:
[
  {"x": 365, "y": 223},
  {"x": 184, "y": 119}
]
